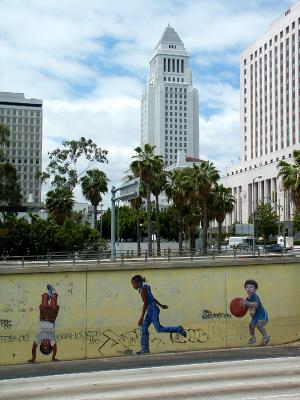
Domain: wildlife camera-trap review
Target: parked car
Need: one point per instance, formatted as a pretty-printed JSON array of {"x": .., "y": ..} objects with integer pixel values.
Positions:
[{"x": 275, "y": 248}]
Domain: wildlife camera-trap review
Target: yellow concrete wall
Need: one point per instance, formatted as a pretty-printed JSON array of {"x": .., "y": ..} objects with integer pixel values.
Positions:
[{"x": 99, "y": 310}]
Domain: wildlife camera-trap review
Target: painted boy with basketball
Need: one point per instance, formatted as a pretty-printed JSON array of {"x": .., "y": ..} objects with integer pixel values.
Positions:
[
  {"x": 46, "y": 331},
  {"x": 258, "y": 313}
]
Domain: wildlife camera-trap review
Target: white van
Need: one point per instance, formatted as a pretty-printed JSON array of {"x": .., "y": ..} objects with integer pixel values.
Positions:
[{"x": 289, "y": 241}]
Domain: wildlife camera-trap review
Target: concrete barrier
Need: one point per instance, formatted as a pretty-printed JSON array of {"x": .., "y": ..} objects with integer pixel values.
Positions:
[{"x": 99, "y": 309}]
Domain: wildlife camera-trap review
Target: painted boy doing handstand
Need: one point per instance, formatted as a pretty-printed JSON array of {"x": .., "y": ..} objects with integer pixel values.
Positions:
[{"x": 46, "y": 331}]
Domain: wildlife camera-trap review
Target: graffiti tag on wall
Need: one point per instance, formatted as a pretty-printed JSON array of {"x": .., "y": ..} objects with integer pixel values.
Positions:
[
  {"x": 125, "y": 342},
  {"x": 108, "y": 339},
  {"x": 192, "y": 336},
  {"x": 207, "y": 314},
  {"x": 6, "y": 323},
  {"x": 13, "y": 338}
]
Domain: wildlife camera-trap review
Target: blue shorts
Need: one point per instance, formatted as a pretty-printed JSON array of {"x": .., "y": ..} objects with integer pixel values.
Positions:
[{"x": 263, "y": 316}]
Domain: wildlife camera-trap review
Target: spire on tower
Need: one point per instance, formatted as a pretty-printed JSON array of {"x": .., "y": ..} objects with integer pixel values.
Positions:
[{"x": 170, "y": 36}]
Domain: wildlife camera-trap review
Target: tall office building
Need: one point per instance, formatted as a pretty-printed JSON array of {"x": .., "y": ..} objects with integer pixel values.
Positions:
[
  {"x": 25, "y": 119},
  {"x": 170, "y": 104},
  {"x": 269, "y": 124}
]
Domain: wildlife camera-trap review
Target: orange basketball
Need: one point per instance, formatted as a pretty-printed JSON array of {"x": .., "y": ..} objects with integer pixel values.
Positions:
[{"x": 237, "y": 309}]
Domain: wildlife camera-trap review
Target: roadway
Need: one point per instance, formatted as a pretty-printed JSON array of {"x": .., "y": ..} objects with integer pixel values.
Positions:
[{"x": 258, "y": 373}]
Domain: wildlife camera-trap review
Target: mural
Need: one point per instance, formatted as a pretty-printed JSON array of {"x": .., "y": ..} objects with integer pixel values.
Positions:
[
  {"x": 95, "y": 313},
  {"x": 45, "y": 336},
  {"x": 150, "y": 314},
  {"x": 259, "y": 316}
]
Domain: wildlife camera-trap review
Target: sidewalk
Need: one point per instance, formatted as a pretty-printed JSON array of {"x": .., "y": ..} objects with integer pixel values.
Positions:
[{"x": 163, "y": 359}]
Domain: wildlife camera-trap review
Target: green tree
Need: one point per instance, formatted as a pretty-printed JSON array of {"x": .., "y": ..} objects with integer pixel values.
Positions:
[
  {"x": 206, "y": 177},
  {"x": 266, "y": 220},
  {"x": 14, "y": 235},
  {"x": 169, "y": 226},
  {"x": 19, "y": 236},
  {"x": 62, "y": 168},
  {"x": 10, "y": 189},
  {"x": 93, "y": 185},
  {"x": 222, "y": 203},
  {"x": 106, "y": 224},
  {"x": 4, "y": 140},
  {"x": 296, "y": 222},
  {"x": 136, "y": 205},
  {"x": 191, "y": 218},
  {"x": 157, "y": 187},
  {"x": 143, "y": 166},
  {"x": 290, "y": 175},
  {"x": 127, "y": 223},
  {"x": 59, "y": 202},
  {"x": 178, "y": 188}
]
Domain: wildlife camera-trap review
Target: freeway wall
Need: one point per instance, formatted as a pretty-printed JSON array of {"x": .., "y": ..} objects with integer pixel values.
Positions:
[{"x": 99, "y": 309}]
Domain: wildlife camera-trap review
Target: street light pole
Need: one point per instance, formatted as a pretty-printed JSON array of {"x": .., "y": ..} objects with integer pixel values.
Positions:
[
  {"x": 284, "y": 218},
  {"x": 278, "y": 208},
  {"x": 113, "y": 225},
  {"x": 101, "y": 211},
  {"x": 118, "y": 232},
  {"x": 253, "y": 214}
]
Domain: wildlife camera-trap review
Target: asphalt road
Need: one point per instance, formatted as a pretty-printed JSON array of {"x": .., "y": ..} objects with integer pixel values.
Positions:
[
  {"x": 152, "y": 360},
  {"x": 271, "y": 378}
]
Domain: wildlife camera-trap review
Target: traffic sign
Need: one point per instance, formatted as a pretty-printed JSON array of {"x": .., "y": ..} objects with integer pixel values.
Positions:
[{"x": 130, "y": 190}]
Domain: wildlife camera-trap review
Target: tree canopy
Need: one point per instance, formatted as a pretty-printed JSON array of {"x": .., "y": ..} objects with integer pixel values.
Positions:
[{"x": 63, "y": 166}]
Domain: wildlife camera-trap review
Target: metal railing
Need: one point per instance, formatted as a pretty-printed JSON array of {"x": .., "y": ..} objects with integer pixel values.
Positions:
[{"x": 166, "y": 255}]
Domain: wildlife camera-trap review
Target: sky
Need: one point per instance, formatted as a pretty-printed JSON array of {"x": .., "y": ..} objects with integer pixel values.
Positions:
[{"x": 88, "y": 61}]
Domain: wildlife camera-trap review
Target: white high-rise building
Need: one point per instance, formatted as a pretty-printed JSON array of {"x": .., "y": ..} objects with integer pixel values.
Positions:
[
  {"x": 269, "y": 125},
  {"x": 25, "y": 119},
  {"x": 170, "y": 104}
]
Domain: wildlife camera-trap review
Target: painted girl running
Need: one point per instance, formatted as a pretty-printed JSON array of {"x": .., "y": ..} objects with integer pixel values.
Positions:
[{"x": 150, "y": 308}]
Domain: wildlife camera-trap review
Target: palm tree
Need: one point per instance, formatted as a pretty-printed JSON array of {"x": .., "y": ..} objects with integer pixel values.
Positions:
[
  {"x": 136, "y": 203},
  {"x": 191, "y": 218},
  {"x": 206, "y": 176},
  {"x": 290, "y": 174},
  {"x": 222, "y": 203},
  {"x": 157, "y": 187},
  {"x": 178, "y": 189},
  {"x": 59, "y": 202},
  {"x": 143, "y": 166},
  {"x": 93, "y": 185}
]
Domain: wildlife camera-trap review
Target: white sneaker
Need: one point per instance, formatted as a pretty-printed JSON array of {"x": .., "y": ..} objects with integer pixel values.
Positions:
[
  {"x": 266, "y": 340},
  {"x": 252, "y": 340}
]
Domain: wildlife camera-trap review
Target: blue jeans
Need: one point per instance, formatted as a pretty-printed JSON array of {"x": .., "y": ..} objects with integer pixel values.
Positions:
[{"x": 152, "y": 316}]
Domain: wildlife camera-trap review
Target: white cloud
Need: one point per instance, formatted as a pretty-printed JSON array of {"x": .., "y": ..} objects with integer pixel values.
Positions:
[
  {"x": 219, "y": 137},
  {"x": 111, "y": 122},
  {"x": 88, "y": 61}
]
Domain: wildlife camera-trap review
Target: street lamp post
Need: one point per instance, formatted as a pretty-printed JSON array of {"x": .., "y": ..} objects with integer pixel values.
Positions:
[
  {"x": 118, "y": 222},
  {"x": 279, "y": 207},
  {"x": 253, "y": 214},
  {"x": 101, "y": 211},
  {"x": 284, "y": 218}
]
